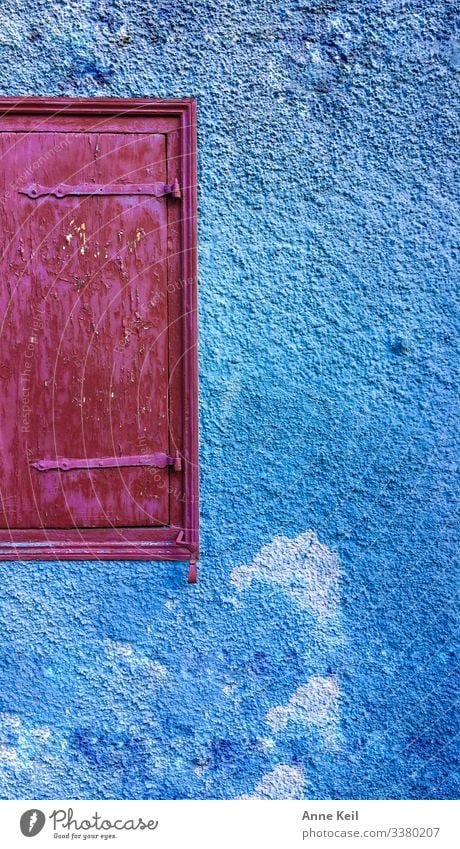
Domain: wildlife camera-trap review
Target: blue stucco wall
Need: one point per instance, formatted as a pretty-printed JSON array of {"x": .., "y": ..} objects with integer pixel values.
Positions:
[{"x": 316, "y": 656}]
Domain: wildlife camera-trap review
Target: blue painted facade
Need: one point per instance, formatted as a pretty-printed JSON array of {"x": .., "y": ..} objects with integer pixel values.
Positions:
[{"x": 316, "y": 656}]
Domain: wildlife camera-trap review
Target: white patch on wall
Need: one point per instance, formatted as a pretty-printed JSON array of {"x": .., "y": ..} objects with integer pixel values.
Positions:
[
  {"x": 315, "y": 704},
  {"x": 9, "y": 722},
  {"x": 303, "y": 567},
  {"x": 125, "y": 655},
  {"x": 8, "y": 754},
  {"x": 284, "y": 782},
  {"x": 29, "y": 743}
]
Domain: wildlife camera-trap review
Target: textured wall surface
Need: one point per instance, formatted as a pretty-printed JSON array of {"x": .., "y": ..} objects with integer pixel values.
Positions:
[{"x": 316, "y": 656}]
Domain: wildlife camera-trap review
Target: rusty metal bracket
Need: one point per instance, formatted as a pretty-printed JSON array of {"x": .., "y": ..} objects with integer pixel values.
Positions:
[
  {"x": 157, "y": 190},
  {"x": 65, "y": 464},
  {"x": 192, "y": 577}
]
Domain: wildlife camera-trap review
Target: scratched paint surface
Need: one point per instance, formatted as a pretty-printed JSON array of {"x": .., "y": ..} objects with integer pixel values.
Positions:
[
  {"x": 316, "y": 656},
  {"x": 78, "y": 333}
]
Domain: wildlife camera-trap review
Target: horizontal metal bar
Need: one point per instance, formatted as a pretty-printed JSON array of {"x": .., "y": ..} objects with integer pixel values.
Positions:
[
  {"x": 81, "y": 543},
  {"x": 65, "y": 464},
  {"x": 35, "y": 190},
  {"x": 93, "y": 550}
]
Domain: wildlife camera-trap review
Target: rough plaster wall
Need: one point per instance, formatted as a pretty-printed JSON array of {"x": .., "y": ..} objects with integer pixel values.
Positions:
[{"x": 315, "y": 657}]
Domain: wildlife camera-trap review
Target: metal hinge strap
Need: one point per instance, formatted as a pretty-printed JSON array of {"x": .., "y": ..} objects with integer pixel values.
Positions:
[
  {"x": 35, "y": 190},
  {"x": 65, "y": 464}
]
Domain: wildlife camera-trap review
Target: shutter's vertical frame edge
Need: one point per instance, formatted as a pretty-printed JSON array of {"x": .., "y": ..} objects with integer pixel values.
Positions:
[{"x": 190, "y": 372}]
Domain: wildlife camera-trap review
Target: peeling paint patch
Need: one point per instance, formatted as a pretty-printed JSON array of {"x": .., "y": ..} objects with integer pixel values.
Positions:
[
  {"x": 315, "y": 703},
  {"x": 9, "y": 721},
  {"x": 303, "y": 567},
  {"x": 284, "y": 782},
  {"x": 9, "y": 754},
  {"x": 22, "y": 746},
  {"x": 125, "y": 653}
]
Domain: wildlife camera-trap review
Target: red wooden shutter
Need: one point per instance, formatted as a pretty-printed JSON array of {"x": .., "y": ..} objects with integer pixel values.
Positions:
[{"x": 98, "y": 335}]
